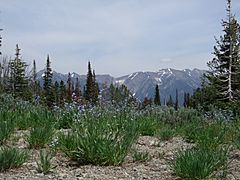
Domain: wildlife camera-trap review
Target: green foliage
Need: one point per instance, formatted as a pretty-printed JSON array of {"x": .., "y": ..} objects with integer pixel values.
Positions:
[
  {"x": 120, "y": 95},
  {"x": 148, "y": 125},
  {"x": 140, "y": 156},
  {"x": 44, "y": 164},
  {"x": 40, "y": 136},
  {"x": 208, "y": 135},
  {"x": 18, "y": 80},
  {"x": 170, "y": 102},
  {"x": 165, "y": 133},
  {"x": 91, "y": 92},
  {"x": 199, "y": 163},
  {"x": 100, "y": 139},
  {"x": 157, "y": 100},
  {"x": 6, "y": 125},
  {"x": 11, "y": 158},
  {"x": 47, "y": 85}
]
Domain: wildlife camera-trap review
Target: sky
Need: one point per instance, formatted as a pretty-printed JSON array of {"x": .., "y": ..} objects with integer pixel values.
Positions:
[{"x": 119, "y": 37}]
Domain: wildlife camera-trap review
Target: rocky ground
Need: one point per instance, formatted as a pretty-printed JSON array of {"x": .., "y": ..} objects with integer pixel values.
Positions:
[{"x": 156, "y": 167}]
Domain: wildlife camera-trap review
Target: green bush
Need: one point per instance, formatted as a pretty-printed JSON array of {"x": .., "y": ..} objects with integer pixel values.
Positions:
[
  {"x": 198, "y": 163},
  {"x": 11, "y": 158}
]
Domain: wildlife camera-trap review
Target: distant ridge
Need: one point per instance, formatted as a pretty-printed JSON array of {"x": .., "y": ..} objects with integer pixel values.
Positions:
[{"x": 142, "y": 84}]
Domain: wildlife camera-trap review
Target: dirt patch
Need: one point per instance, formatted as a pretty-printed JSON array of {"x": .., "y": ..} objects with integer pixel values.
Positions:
[{"x": 157, "y": 167}]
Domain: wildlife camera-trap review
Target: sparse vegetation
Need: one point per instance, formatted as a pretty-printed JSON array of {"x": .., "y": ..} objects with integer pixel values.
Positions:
[
  {"x": 140, "y": 156},
  {"x": 44, "y": 164},
  {"x": 199, "y": 163},
  {"x": 11, "y": 158}
]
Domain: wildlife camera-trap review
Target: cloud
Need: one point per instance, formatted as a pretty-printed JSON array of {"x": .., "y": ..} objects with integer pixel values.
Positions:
[{"x": 119, "y": 37}]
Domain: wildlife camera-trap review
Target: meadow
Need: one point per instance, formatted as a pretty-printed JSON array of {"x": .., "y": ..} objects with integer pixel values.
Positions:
[{"x": 116, "y": 141}]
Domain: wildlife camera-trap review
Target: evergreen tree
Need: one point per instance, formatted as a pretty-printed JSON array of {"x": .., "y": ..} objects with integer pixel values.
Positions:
[
  {"x": 96, "y": 88},
  {"x": 77, "y": 89},
  {"x": 120, "y": 94},
  {"x": 18, "y": 79},
  {"x": 157, "y": 96},
  {"x": 34, "y": 83},
  {"x": 90, "y": 85},
  {"x": 1, "y": 42},
  {"x": 176, "y": 101},
  {"x": 69, "y": 88},
  {"x": 47, "y": 84},
  {"x": 147, "y": 102},
  {"x": 186, "y": 102},
  {"x": 57, "y": 93},
  {"x": 62, "y": 93},
  {"x": 224, "y": 71},
  {"x": 5, "y": 75},
  {"x": 170, "y": 102}
]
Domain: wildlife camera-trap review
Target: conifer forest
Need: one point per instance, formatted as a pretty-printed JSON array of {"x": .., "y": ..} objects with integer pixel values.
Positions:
[{"x": 60, "y": 129}]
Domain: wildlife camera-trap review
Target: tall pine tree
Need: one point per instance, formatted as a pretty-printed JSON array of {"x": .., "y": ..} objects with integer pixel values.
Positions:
[
  {"x": 176, "y": 101},
  {"x": 157, "y": 96},
  {"x": 18, "y": 79},
  {"x": 69, "y": 88},
  {"x": 47, "y": 84},
  {"x": 224, "y": 71},
  {"x": 90, "y": 86}
]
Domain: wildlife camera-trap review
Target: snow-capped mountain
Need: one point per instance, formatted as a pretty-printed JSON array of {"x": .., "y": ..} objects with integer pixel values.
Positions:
[{"x": 142, "y": 84}]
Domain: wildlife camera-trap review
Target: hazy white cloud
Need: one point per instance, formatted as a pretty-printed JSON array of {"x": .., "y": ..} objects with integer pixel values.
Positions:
[{"x": 119, "y": 37}]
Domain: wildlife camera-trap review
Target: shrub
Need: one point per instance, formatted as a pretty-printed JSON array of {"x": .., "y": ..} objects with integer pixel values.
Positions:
[{"x": 11, "y": 158}]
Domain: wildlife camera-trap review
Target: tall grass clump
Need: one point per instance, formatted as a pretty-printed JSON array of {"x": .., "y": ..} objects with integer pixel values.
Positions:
[
  {"x": 148, "y": 125},
  {"x": 44, "y": 164},
  {"x": 11, "y": 158},
  {"x": 100, "y": 138},
  {"x": 207, "y": 135},
  {"x": 33, "y": 116},
  {"x": 199, "y": 163},
  {"x": 166, "y": 132},
  {"x": 6, "y": 126},
  {"x": 40, "y": 136}
]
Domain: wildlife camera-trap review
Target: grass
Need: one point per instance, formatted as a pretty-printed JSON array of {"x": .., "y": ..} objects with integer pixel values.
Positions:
[
  {"x": 11, "y": 158},
  {"x": 198, "y": 163},
  {"x": 104, "y": 136},
  {"x": 140, "y": 156},
  {"x": 6, "y": 127},
  {"x": 44, "y": 164},
  {"x": 207, "y": 135},
  {"x": 103, "y": 141},
  {"x": 166, "y": 133},
  {"x": 40, "y": 136},
  {"x": 148, "y": 125}
]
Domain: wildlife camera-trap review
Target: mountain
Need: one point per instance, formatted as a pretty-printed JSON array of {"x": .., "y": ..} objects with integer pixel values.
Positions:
[{"x": 142, "y": 84}]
